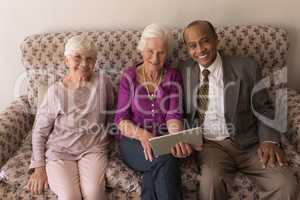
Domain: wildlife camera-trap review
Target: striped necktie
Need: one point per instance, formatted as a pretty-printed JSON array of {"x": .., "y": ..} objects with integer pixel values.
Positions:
[{"x": 202, "y": 99}]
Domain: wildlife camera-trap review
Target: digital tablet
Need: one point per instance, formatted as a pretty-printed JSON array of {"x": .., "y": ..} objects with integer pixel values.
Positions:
[{"x": 162, "y": 144}]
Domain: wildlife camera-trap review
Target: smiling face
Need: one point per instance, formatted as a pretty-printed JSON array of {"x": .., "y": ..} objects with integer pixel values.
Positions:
[
  {"x": 81, "y": 63},
  {"x": 154, "y": 53},
  {"x": 201, "y": 44}
]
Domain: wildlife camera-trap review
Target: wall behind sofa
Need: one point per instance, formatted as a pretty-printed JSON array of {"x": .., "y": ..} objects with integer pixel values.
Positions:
[{"x": 20, "y": 18}]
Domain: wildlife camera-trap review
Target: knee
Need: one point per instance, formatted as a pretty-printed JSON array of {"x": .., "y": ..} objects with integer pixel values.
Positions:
[
  {"x": 286, "y": 183},
  {"x": 167, "y": 167},
  {"x": 170, "y": 166},
  {"x": 211, "y": 175},
  {"x": 95, "y": 196},
  {"x": 66, "y": 192},
  {"x": 170, "y": 161},
  {"x": 70, "y": 195},
  {"x": 94, "y": 191}
]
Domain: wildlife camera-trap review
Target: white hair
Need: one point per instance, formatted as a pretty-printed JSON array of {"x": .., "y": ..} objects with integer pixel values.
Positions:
[
  {"x": 155, "y": 31},
  {"x": 77, "y": 43}
]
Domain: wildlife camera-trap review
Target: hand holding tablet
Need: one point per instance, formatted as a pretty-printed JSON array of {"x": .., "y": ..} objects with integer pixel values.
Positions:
[{"x": 162, "y": 144}]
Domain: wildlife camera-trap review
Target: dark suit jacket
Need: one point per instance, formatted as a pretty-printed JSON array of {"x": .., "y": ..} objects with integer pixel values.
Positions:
[{"x": 240, "y": 75}]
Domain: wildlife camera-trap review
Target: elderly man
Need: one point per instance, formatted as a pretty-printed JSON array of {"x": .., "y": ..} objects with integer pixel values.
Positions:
[{"x": 217, "y": 97}]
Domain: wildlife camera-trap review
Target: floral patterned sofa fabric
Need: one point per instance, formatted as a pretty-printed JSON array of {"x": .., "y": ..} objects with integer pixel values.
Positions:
[
  {"x": 294, "y": 117},
  {"x": 42, "y": 58},
  {"x": 15, "y": 122}
]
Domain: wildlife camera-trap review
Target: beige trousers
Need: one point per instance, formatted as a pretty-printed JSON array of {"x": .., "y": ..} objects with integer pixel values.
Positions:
[
  {"x": 77, "y": 180},
  {"x": 219, "y": 162}
]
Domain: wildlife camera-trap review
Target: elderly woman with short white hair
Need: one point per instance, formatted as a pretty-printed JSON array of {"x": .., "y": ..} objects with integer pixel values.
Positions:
[
  {"x": 148, "y": 106},
  {"x": 69, "y": 145}
]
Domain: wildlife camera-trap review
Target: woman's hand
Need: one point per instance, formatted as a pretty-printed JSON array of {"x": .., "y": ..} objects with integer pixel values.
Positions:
[
  {"x": 132, "y": 131},
  {"x": 38, "y": 180},
  {"x": 144, "y": 137},
  {"x": 181, "y": 150}
]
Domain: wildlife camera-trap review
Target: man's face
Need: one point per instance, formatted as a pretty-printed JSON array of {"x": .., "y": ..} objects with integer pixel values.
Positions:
[{"x": 201, "y": 44}]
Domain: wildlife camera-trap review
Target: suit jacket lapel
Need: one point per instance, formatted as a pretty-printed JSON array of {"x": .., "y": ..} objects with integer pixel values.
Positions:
[{"x": 231, "y": 90}]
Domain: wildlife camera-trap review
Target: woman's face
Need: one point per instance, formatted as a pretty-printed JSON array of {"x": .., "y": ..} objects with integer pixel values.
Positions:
[
  {"x": 155, "y": 53},
  {"x": 81, "y": 63}
]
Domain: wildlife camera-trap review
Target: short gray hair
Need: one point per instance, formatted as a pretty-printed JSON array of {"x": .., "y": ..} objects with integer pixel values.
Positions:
[
  {"x": 79, "y": 42},
  {"x": 155, "y": 31}
]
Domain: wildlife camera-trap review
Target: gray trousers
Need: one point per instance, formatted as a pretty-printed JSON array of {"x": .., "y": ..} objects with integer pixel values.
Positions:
[{"x": 219, "y": 162}]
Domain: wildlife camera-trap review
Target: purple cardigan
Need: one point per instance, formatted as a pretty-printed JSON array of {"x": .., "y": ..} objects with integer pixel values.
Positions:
[{"x": 134, "y": 104}]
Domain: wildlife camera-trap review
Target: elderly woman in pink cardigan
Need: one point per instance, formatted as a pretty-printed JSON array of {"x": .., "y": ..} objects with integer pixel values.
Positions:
[{"x": 69, "y": 143}]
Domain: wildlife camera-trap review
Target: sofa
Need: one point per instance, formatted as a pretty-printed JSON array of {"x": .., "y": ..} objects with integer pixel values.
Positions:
[{"x": 42, "y": 59}]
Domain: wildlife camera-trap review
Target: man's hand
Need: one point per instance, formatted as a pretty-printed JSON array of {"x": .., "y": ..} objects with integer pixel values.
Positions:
[
  {"x": 38, "y": 181},
  {"x": 271, "y": 155},
  {"x": 181, "y": 150},
  {"x": 144, "y": 137}
]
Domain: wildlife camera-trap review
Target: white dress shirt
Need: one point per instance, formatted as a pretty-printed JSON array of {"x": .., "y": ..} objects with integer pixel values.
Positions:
[{"x": 214, "y": 122}]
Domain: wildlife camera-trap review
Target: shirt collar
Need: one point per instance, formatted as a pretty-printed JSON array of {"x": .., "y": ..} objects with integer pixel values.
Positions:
[{"x": 214, "y": 66}]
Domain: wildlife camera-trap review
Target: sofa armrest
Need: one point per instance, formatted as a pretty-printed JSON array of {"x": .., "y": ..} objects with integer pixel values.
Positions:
[
  {"x": 294, "y": 117},
  {"x": 15, "y": 122}
]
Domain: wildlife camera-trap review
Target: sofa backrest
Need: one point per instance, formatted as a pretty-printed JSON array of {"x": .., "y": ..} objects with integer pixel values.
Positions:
[{"x": 42, "y": 54}]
